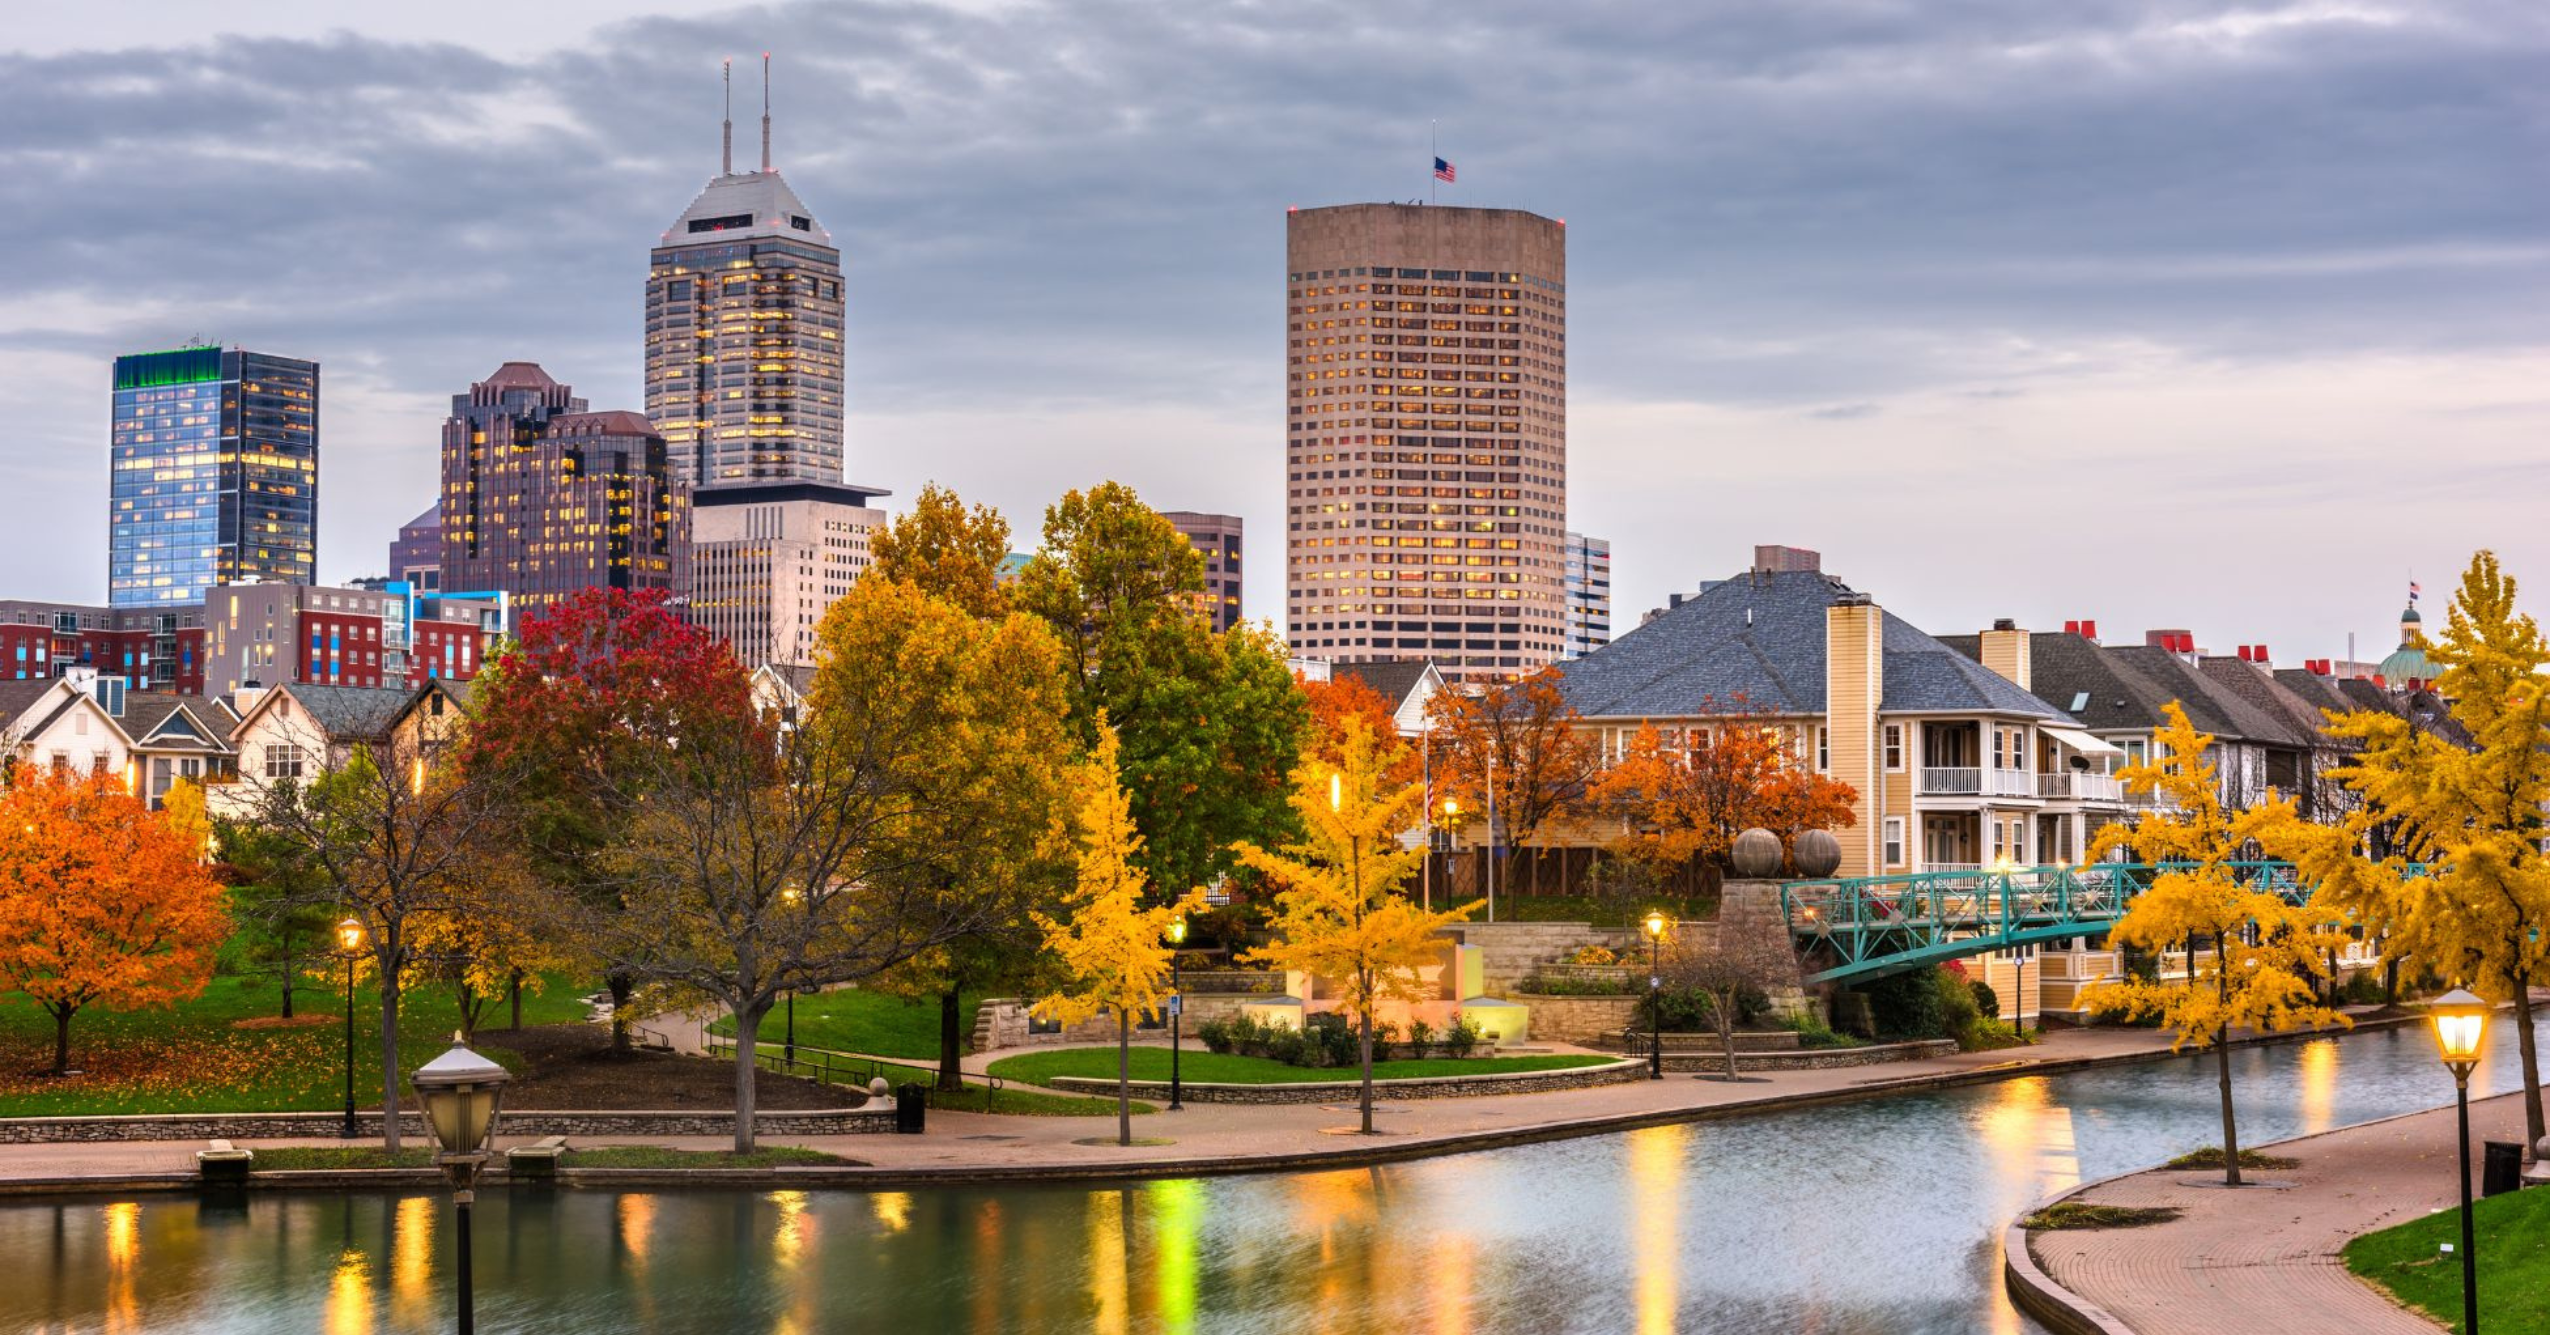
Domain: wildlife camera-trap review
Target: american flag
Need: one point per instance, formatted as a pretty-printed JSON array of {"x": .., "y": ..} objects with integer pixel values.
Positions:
[
  {"x": 1442, "y": 170},
  {"x": 2413, "y": 588}
]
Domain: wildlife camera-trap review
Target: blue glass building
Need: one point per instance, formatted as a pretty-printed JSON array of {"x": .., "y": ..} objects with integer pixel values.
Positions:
[{"x": 215, "y": 459}]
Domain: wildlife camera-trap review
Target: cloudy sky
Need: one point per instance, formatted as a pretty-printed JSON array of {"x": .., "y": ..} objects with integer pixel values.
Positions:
[{"x": 2235, "y": 317}]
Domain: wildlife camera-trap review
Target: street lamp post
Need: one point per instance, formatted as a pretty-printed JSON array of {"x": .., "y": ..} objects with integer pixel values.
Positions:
[
  {"x": 349, "y": 943},
  {"x": 2461, "y": 1020},
  {"x": 1177, "y": 1008},
  {"x": 1655, "y": 996},
  {"x": 460, "y": 1091}
]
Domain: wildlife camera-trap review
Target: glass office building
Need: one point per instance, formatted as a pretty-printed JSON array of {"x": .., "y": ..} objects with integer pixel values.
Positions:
[{"x": 215, "y": 458}]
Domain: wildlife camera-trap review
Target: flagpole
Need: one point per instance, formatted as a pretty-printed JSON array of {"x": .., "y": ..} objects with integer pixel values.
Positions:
[{"x": 1432, "y": 153}]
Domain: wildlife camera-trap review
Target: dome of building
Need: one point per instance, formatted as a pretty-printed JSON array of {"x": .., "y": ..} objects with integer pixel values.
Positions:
[{"x": 2408, "y": 665}]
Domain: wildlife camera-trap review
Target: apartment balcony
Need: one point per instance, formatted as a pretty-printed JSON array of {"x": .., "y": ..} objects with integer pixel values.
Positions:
[
  {"x": 2075, "y": 785},
  {"x": 1967, "y": 781}
]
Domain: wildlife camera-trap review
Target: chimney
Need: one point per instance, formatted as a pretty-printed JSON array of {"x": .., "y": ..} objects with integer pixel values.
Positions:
[
  {"x": 2004, "y": 649},
  {"x": 1772, "y": 559},
  {"x": 2244, "y": 653},
  {"x": 1854, "y": 687}
]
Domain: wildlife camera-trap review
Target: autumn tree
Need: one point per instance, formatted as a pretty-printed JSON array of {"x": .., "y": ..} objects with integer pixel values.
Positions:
[
  {"x": 1723, "y": 966},
  {"x": 588, "y": 695},
  {"x": 494, "y": 940},
  {"x": 2462, "y": 890},
  {"x": 1515, "y": 749},
  {"x": 987, "y": 830},
  {"x": 1209, "y": 724},
  {"x": 102, "y": 901},
  {"x": 947, "y": 550},
  {"x": 394, "y": 821},
  {"x": 1687, "y": 799},
  {"x": 1112, "y": 949},
  {"x": 1340, "y": 910},
  {"x": 2254, "y": 960},
  {"x": 280, "y": 902}
]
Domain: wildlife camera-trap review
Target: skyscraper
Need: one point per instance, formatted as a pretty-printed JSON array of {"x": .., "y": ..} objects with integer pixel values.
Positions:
[
  {"x": 769, "y": 559},
  {"x": 214, "y": 459},
  {"x": 1588, "y": 595},
  {"x": 542, "y": 498},
  {"x": 743, "y": 330},
  {"x": 1426, "y": 440},
  {"x": 1217, "y": 540}
]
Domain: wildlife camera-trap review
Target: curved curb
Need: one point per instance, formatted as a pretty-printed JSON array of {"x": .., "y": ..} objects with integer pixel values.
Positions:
[{"x": 1590, "y": 1075}]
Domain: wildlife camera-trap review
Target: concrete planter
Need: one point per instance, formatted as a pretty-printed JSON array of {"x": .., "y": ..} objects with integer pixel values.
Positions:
[{"x": 1330, "y": 1091}]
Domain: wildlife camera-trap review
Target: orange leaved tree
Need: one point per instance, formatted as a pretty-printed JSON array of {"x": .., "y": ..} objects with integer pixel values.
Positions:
[
  {"x": 1515, "y": 749},
  {"x": 1688, "y": 797},
  {"x": 103, "y": 902}
]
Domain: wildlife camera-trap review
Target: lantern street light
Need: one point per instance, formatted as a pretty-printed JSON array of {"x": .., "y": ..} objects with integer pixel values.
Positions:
[
  {"x": 788, "y": 1050},
  {"x": 349, "y": 943},
  {"x": 1177, "y": 1007},
  {"x": 2461, "y": 1021},
  {"x": 1655, "y": 997},
  {"x": 460, "y": 1091}
]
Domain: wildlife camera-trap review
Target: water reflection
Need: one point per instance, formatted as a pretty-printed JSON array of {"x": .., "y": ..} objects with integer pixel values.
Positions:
[{"x": 1847, "y": 1220}]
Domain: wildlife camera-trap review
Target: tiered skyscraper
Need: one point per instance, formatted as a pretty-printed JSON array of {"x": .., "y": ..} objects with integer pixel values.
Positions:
[
  {"x": 1426, "y": 441},
  {"x": 215, "y": 475},
  {"x": 743, "y": 331}
]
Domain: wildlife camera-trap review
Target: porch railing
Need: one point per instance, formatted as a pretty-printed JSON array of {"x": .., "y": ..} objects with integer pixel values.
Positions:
[
  {"x": 1969, "y": 781},
  {"x": 2084, "y": 787}
]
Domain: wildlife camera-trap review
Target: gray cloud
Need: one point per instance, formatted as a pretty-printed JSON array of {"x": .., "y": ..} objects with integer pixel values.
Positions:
[{"x": 2016, "y": 226}]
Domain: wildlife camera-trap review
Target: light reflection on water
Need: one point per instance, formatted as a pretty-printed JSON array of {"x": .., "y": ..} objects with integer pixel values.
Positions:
[{"x": 1873, "y": 1217}]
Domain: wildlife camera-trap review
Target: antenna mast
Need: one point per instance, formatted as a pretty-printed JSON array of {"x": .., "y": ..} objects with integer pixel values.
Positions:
[
  {"x": 765, "y": 111},
  {"x": 726, "y": 133}
]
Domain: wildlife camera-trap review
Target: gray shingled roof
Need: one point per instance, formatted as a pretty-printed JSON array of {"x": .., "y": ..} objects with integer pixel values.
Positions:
[
  {"x": 349, "y": 711},
  {"x": 1392, "y": 680},
  {"x": 2064, "y": 668},
  {"x": 1757, "y": 642},
  {"x": 17, "y": 697},
  {"x": 2301, "y": 722}
]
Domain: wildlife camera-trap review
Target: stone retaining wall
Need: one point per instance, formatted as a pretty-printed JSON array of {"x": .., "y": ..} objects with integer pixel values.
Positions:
[
  {"x": 1576, "y": 1019},
  {"x": 1331, "y": 1091},
  {"x": 1510, "y": 952},
  {"x": 1811, "y": 1059},
  {"x": 1000, "y": 1023},
  {"x": 367, "y": 1125},
  {"x": 1746, "y": 1040}
]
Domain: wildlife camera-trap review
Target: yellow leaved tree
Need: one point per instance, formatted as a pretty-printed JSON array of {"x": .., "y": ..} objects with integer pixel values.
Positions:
[
  {"x": 2442, "y": 860},
  {"x": 2252, "y": 960},
  {"x": 1340, "y": 910},
  {"x": 1113, "y": 952}
]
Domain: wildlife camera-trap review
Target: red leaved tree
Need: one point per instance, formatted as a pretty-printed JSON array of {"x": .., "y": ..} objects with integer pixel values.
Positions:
[
  {"x": 103, "y": 902},
  {"x": 1515, "y": 748},
  {"x": 1688, "y": 797}
]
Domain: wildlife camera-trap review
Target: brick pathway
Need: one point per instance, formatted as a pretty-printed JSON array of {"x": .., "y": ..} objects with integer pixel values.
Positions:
[{"x": 2258, "y": 1259}]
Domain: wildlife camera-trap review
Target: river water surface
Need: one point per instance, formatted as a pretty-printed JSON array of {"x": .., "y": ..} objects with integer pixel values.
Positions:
[{"x": 1881, "y": 1216}]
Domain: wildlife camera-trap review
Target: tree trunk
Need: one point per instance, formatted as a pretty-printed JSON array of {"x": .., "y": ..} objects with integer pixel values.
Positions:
[
  {"x": 287, "y": 971},
  {"x": 61, "y": 1038},
  {"x": 389, "y": 1057},
  {"x": 517, "y": 998},
  {"x": 468, "y": 999},
  {"x": 1726, "y": 1032},
  {"x": 1124, "y": 1077},
  {"x": 623, "y": 989},
  {"x": 2532, "y": 1131},
  {"x": 2230, "y": 1125},
  {"x": 951, "y": 1075},
  {"x": 1367, "y": 1052},
  {"x": 747, "y": 1048}
]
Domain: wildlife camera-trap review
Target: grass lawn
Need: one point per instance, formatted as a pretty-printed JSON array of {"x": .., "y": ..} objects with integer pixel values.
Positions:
[
  {"x": 656, "y": 1156},
  {"x": 2078, "y": 1214},
  {"x": 851, "y": 1019},
  {"x": 1212, "y": 1068},
  {"x": 195, "y": 1057},
  {"x": 983, "y": 1098},
  {"x": 2514, "y": 1261},
  {"x": 291, "y": 1158}
]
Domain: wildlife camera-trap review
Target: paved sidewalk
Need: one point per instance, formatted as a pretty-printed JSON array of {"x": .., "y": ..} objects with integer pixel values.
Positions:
[
  {"x": 1237, "y": 1137},
  {"x": 2250, "y": 1261}
]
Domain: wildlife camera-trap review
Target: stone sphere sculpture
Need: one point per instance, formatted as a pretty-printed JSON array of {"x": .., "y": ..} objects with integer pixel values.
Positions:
[
  {"x": 1757, "y": 855},
  {"x": 1818, "y": 853}
]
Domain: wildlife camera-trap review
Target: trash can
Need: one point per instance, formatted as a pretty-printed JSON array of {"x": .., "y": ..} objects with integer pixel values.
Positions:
[
  {"x": 2503, "y": 1170},
  {"x": 911, "y": 1108}
]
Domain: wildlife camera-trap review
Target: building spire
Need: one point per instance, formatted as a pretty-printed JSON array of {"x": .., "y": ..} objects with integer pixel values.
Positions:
[
  {"x": 726, "y": 131},
  {"x": 765, "y": 111}
]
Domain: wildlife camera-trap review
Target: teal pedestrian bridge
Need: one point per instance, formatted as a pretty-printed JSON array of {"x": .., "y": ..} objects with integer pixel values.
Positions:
[{"x": 1868, "y": 926}]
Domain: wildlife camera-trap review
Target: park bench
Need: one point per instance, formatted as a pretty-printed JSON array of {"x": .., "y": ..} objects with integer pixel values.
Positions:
[
  {"x": 539, "y": 1159},
  {"x": 221, "y": 1161}
]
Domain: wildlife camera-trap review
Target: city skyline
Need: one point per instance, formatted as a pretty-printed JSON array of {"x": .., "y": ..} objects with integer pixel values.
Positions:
[{"x": 1976, "y": 279}]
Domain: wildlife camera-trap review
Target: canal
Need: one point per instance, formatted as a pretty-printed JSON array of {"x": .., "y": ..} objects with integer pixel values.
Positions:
[{"x": 1879, "y": 1216}]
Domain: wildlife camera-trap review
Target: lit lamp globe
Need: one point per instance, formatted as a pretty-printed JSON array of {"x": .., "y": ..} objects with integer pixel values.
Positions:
[
  {"x": 460, "y": 1091},
  {"x": 1818, "y": 854},
  {"x": 2461, "y": 1024},
  {"x": 349, "y": 936},
  {"x": 1655, "y": 926},
  {"x": 1757, "y": 855}
]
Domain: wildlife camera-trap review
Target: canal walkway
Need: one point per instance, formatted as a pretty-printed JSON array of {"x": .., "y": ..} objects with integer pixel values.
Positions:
[
  {"x": 1222, "y": 1138},
  {"x": 2245, "y": 1261}
]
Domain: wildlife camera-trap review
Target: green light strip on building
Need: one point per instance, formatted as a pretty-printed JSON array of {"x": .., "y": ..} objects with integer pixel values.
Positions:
[{"x": 152, "y": 370}]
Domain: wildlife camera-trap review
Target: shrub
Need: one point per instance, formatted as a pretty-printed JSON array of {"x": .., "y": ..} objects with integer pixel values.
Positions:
[
  {"x": 1918, "y": 1004},
  {"x": 1689, "y": 1011},
  {"x": 2364, "y": 989},
  {"x": 1813, "y": 1033},
  {"x": 1335, "y": 1040},
  {"x": 1420, "y": 1036},
  {"x": 1593, "y": 955},
  {"x": 1986, "y": 1001},
  {"x": 1563, "y": 985},
  {"x": 1289, "y": 1046},
  {"x": 1463, "y": 1037},
  {"x": 1215, "y": 1035}
]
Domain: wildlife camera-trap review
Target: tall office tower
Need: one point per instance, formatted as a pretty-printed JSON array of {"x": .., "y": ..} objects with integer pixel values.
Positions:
[
  {"x": 215, "y": 474},
  {"x": 1217, "y": 540},
  {"x": 743, "y": 330},
  {"x": 1426, "y": 446},
  {"x": 1588, "y": 594},
  {"x": 768, "y": 560},
  {"x": 416, "y": 555},
  {"x": 542, "y": 498}
]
